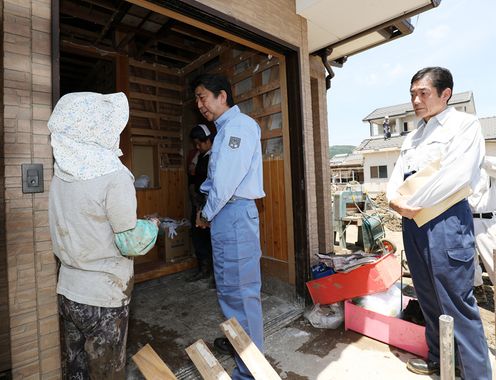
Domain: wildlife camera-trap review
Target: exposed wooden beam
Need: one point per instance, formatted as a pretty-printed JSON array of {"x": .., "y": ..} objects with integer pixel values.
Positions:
[
  {"x": 122, "y": 45},
  {"x": 149, "y": 114},
  {"x": 179, "y": 44},
  {"x": 266, "y": 111},
  {"x": 257, "y": 91},
  {"x": 75, "y": 62},
  {"x": 153, "y": 132},
  {"x": 246, "y": 74},
  {"x": 217, "y": 50},
  {"x": 135, "y": 30},
  {"x": 155, "y": 98},
  {"x": 83, "y": 13},
  {"x": 153, "y": 141},
  {"x": 114, "y": 20},
  {"x": 154, "y": 83},
  {"x": 76, "y": 31},
  {"x": 154, "y": 66},
  {"x": 101, "y": 3},
  {"x": 160, "y": 34},
  {"x": 165, "y": 54},
  {"x": 197, "y": 35},
  {"x": 203, "y": 27},
  {"x": 78, "y": 48}
]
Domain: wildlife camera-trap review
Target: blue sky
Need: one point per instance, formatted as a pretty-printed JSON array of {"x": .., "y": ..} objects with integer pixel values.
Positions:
[{"x": 459, "y": 35}]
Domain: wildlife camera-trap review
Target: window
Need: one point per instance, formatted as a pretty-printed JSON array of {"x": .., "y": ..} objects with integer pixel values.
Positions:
[
  {"x": 378, "y": 171},
  {"x": 145, "y": 161},
  {"x": 405, "y": 126}
]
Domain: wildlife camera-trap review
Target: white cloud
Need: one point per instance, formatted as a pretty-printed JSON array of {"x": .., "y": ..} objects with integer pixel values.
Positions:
[
  {"x": 397, "y": 71},
  {"x": 438, "y": 35},
  {"x": 367, "y": 79}
]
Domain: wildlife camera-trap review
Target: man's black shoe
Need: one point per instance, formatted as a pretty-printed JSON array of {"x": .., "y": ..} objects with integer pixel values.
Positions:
[
  {"x": 223, "y": 346},
  {"x": 422, "y": 367}
]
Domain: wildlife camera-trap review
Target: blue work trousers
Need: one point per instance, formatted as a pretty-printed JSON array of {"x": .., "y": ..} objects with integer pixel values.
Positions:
[
  {"x": 236, "y": 257},
  {"x": 440, "y": 255}
]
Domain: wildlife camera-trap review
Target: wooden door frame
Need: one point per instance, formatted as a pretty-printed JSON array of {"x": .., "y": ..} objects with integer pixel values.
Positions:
[
  {"x": 193, "y": 12},
  {"x": 245, "y": 34}
]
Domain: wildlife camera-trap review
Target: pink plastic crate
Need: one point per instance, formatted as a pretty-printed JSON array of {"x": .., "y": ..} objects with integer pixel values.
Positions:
[
  {"x": 367, "y": 279},
  {"x": 393, "y": 331}
]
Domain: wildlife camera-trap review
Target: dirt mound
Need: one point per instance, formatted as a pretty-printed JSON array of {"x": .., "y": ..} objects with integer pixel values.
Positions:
[{"x": 391, "y": 220}]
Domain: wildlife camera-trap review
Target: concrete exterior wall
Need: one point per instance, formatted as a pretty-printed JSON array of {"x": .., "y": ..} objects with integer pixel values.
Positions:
[
  {"x": 490, "y": 148},
  {"x": 387, "y": 158},
  {"x": 32, "y": 308}
]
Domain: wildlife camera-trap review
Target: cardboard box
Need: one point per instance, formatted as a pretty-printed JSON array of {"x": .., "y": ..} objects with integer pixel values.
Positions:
[
  {"x": 367, "y": 279},
  {"x": 393, "y": 331},
  {"x": 177, "y": 248}
]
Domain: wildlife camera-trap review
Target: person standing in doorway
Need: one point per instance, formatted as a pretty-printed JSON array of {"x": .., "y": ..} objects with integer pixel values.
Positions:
[
  {"x": 202, "y": 139},
  {"x": 440, "y": 253},
  {"x": 483, "y": 205},
  {"x": 234, "y": 182}
]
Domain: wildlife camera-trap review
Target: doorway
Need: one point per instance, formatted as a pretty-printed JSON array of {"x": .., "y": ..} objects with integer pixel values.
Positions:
[{"x": 152, "y": 54}]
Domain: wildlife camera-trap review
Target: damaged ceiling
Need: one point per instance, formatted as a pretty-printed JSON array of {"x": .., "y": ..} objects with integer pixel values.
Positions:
[
  {"x": 121, "y": 27},
  {"x": 111, "y": 27}
]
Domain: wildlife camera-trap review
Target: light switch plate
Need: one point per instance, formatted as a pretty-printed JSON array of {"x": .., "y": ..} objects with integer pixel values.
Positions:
[{"x": 32, "y": 178}]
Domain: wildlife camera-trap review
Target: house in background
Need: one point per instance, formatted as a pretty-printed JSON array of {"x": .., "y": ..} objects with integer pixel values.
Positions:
[
  {"x": 346, "y": 167},
  {"x": 488, "y": 125},
  {"x": 380, "y": 154}
]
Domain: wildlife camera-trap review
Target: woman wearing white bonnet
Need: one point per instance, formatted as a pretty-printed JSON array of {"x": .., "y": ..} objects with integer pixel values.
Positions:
[{"x": 92, "y": 200}]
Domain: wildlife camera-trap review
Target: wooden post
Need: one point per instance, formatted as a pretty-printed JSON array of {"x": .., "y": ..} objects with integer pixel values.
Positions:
[
  {"x": 249, "y": 353},
  {"x": 447, "y": 347}
]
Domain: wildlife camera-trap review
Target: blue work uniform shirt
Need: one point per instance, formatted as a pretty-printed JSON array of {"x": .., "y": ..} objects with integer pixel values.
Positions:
[{"x": 235, "y": 168}]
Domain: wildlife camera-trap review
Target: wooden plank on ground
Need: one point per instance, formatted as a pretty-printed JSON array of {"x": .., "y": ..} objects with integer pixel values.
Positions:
[
  {"x": 151, "y": 366},
  {"x": 154, "y": 132},
  {"x": 206, "y": 363},
  {"x": 248, "y": 351}
]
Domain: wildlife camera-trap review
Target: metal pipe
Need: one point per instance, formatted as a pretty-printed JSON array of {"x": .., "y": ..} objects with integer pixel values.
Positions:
[{"x": 323, "y": 54}]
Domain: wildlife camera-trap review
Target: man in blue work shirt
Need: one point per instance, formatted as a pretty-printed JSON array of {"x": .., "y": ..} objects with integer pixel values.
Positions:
[
  {"x": 234, "y": 181},
  {"x": 441, "y": 252}
]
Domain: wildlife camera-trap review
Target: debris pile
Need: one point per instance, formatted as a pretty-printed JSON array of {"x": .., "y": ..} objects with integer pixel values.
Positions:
[{"x": 391, "y": 220}]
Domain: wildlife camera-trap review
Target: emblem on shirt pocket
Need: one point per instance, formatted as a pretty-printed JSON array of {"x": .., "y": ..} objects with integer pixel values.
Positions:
[{"x": 234, "y": 142}]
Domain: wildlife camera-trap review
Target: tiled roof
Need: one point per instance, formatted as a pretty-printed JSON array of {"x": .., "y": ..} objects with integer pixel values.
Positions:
[
  {"x": 402, "y": 109},
  {"x": 346, "y": 159},
  {"x": 378, "y": 143},
  {"x": 488, "y": 125}
]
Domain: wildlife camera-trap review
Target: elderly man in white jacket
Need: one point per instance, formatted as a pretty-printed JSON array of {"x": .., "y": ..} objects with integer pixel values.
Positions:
[{"x": 483, "y": 205}]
